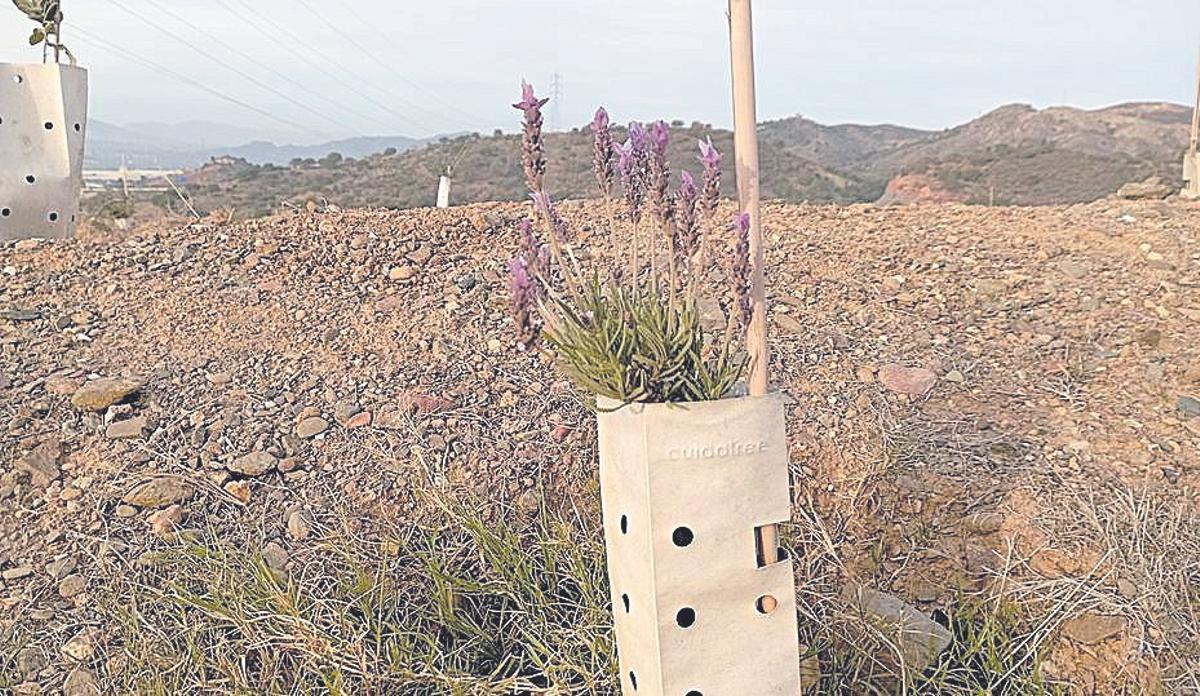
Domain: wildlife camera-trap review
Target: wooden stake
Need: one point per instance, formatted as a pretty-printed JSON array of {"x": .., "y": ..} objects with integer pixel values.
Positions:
[{"x": 745, "y": 144}]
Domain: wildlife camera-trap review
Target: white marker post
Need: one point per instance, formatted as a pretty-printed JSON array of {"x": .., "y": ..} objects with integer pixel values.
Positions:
[
  {"x": 1191, "y": 160},
  {"x": 443, "y": 198}
]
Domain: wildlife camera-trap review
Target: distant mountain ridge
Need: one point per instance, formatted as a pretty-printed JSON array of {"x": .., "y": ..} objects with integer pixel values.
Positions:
[
  {"x": 187, "y": 145},
  {"x": 1015, "y": 154}
]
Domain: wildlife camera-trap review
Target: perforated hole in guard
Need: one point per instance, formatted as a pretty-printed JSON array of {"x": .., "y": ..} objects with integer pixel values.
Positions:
[
  {"x": 5, "y": 212},
  {"x": 633, "y": 680},
  {"x": 625, "y": 601},
  {"x": 682, "y": 536},
  {"x": 53, "y": 216},
  {"x": 29, "y": 178},
  {"x": 685, "y": 617},
  {"x": 765, "y": 601},
  {"x": 624, "y": 524}
]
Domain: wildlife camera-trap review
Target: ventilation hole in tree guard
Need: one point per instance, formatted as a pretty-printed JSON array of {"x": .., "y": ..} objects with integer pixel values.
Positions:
[
  {"x": 693, "y": 692},
  {"x": 5, "y": 212},
  {"x": 682, "y": 536},
  {"x": 53, "y": 217},
  {"x": 625, "y": 601},
  {"x": 29, "y": 178},
  {"x": 18, "y": 79},
  {"x": 48, "y": 126},
  {"x": 624, "y": 524},
  {"x": 633, "y": 680},
  {"x": 78, "y": 127},
  {"x": 685, "y": 617},
  {"x": 760, "y": 604}
]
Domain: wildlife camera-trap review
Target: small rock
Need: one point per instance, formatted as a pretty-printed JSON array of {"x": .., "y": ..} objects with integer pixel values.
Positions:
[
  {"x": 358, "y": 420},
  {"x": 983, "y": 522},
  {"x": 467, "y": 283},
  {"x": 20, "y": 314},
  {"x": 288, "y": 464},
  {"x": 913, "y": 381},
  {"x": 99, "y": 394},
  {"x": 60, "y": 568},
  {"x": 1090, "y": 629},
  {"x": 420, "y": 255},
  {"x": 125, "y": 511},
  {"x": 83, "y": 645},
  {"x": 218, "y": 378},
  {"x": 311, "y": 427},
  {"x": 17, "y": 573},
  {"x": 955, "y": 376},
  {"x": 164, "y": 522},
  {"x": 1150, "y": 338},
  {"x": 919, "y": 638},
  {"x": 127, "y": 429},
  {"x": 42, "y": 464},
  {"x": 788, "y": 324},
  {"x": 256, "y": 463},
  {"x": 1189, "y": 406},
  {"x": 159, "y": 491},
  {"x": 239, "y": 490},
  {"x": 30, "y": 661},
  {"x": 1153, "y": 188},
  {"x": 81, "y": 682},
  {"x": 402, "y": 273},
  {"x": 71, "y": 586},
  {"x": 345, "y": 410},
  {"x": 275, "y": 556},
  {"x": 297, "y": 526},
  {"x": 1073, "y": 270}
]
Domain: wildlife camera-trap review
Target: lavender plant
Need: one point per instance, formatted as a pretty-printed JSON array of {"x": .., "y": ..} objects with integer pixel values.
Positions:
[{"x": 632, "y": 331}]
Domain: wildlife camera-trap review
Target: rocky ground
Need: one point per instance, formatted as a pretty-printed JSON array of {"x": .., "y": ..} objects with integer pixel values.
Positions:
[{"x": 981, "y": 398}]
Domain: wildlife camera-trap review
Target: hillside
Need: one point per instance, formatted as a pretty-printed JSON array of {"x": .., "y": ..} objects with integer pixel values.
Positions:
[
  {"x": 239, "y": 457},
  {"x": 489, "y": 169},
  {"x": 1015, "y": 154},
  {"x": 1054, "y": 155}
]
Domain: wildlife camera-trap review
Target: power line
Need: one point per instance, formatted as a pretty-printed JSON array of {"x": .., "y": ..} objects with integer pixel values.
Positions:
[
  {"x": 227, "y": 66},
  {"x": 283, "y": 76},
  {"x": 104, "y": 43},
  {"x": 340, "y": 78},
  {"x": 472, "y": 119}
]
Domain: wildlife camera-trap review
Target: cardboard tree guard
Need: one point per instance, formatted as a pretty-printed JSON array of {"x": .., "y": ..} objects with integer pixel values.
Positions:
[
  {"x": 43, "y": 120},
  {"x": 683, "y": 488}
]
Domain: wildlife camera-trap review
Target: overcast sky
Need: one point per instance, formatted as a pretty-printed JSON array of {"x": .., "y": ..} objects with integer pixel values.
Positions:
[{"x": 456, "y": 64}]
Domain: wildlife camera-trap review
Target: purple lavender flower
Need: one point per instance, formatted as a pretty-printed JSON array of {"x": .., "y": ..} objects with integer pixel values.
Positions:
[
  {"x": 523, "y": 293},
  {"x": 638, "y": 136},
  {"x": 709, "y": 156},
  {"x": 531, "y": 248},
  {"x": 740, "y": 269},
  {"x": 533, "y": 157},
  {"x": 602, "y": 152},
  {"x": 529, "y": 102},
  {"x": 687, "y": 236},
  {"x": 558, "y": 226},
  {"x": 658, "y": 186},
  {"x": 660, "y": 137},
  {"x": 711, "y": 190},
  {"x": 632, "y": 178}
]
